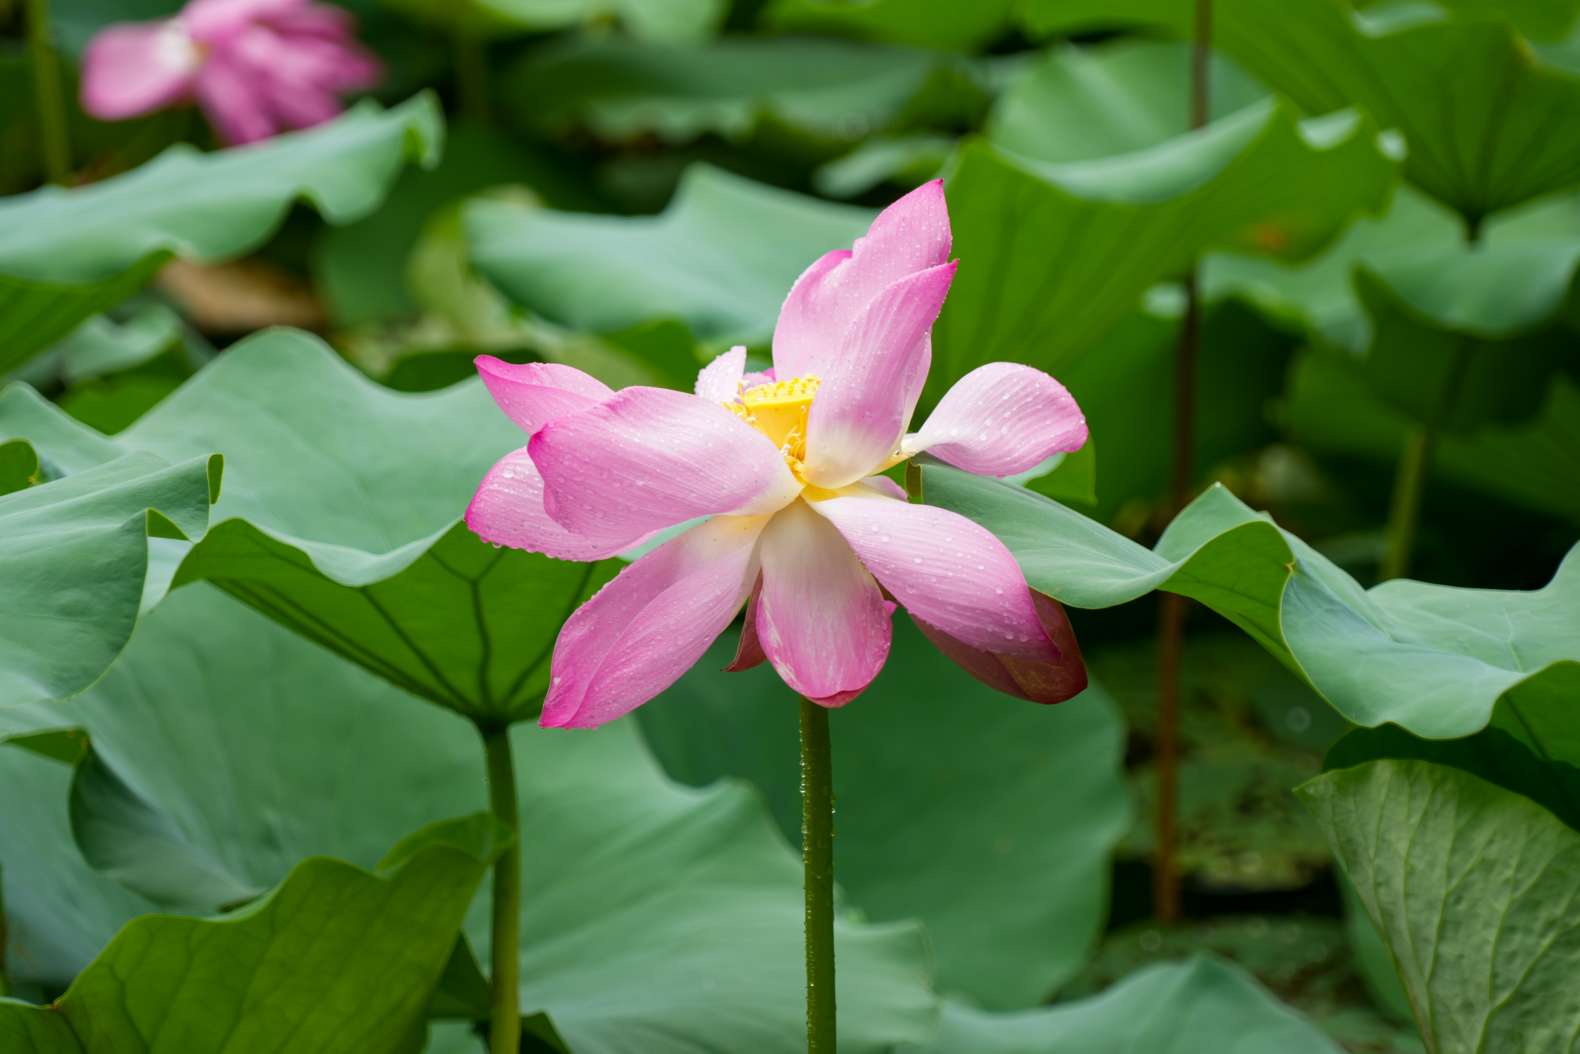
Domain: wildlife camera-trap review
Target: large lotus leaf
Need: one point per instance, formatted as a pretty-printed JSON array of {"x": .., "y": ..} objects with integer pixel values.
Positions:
[
  {"x": 1127, "y": 375},
  {"x": 1129, "y": 221},
  {"x": 1082, "y": 103},
  {"x": 1448, "y": 334},
  {"x": 655, "y": 917},
  {"x": 1474, "y": 147},
  {"x": 1106, "y": 229},
  {"x": 340, "y": 517},
  {"x": 721, "y": 257},
  {"x": 1473, "y": 887},
  {"x": 943, "y": 24},
  {"x": 1433, "y": 659},
  {"x": 361, "y": 269},
  {"x": 828, "y": 89},
  {"x": 75, "y": 565},
  {"x": 655, "y": 20},
  {"x": 991, "y": 820},
  {"x": 58, "y": 912},
  {"x": 1202, "y": 1006},
  {"x": 69, "y": 254},
  {"x": 336, "y": 958},
  {"x": 1531, "y": 463}
]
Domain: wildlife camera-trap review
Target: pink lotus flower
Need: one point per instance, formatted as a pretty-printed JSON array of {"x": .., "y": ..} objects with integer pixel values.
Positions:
[
  {"x": 257, "y": 67},
  {"x": 785, "y": 463}
]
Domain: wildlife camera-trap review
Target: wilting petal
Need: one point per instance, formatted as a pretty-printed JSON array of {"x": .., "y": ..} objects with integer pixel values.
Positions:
[
  {"x": 749, "y": 650},
  {"x": 647, "y": 458},
  {"x": 133, "y": 69},
  {"x": 508, "y": 510},
  {"x": 534, "y": 393},
  {"x": 821, "y": 619},
  {"x": 859, "y": 415},
  {"x": 910, "y": 235},
  {"x": 1046, "y": 680},
  {"x": 651, "y": 623},
  {"x": 945, "y": 570},
  {"x": 720, "y": 380},
  {"x": 1000, "y": 419},
  {"x": 234, "y": 102}
]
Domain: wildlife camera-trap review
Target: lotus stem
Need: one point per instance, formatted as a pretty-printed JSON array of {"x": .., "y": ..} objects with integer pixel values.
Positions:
[
  {"x": 1415, "y": 463},
  {"x": 47, "y": 89},
  {"x": 1171, "y": 617},
  {"x": 817, "y": 860},
  {"x": 504, "y": 1033}
]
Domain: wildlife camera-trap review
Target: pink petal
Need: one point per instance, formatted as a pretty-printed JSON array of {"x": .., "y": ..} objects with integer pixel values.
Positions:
[
  {"x": 910, "y": 235},
  {"x": 301, "y": 104},
  {"x": 1000, "y": 419},
  {"x": 134, "y": 69},
  {"x": 1038, "y": 680},
  {"x": 534, "y": 393},
  {"x": 216, "y": 21},
  {"x": 647, "y": 458},
  {"x": 720, "y": 380},
  {"x": 821, "y": 619},
  {"x": 749, "y": 650},
  {"x": 945, "y": 570},
  {"x": 508, "y": 510},
  {"x": 865, "y": 401},
  {"x": 235, "y": 103},
  {"x": 651, "y": 623},
  {"x": 885, "y": 486}
]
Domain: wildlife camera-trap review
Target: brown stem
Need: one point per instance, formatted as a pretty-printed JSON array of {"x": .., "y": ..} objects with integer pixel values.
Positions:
[{"x": 1171, "y": 621}]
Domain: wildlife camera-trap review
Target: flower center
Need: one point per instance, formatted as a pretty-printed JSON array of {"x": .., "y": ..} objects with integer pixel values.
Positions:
[{"x": 779, "y": 411}]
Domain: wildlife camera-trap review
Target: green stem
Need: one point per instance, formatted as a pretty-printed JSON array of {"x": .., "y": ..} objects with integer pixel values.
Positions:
[
  {"x": 471, "y": 75},
  {"x": 913, "y": 481},
  {"x": 47, "y": 89},
  {"x": 1415, "y": 463},
  {"x": 505, "y": 1027},
  {"x": 817, "y": 859},
  {"x": 1405, "y": 507}
]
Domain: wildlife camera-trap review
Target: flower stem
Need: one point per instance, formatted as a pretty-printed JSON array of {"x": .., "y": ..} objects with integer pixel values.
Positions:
[
  {"x": 913, "y": 482},
  {"x": 817, "y": 860},
  {"x": 47, "y": 91},
  {"x": 1415, "y": 463},
  {"x": 505, "y": 1027},
  {"x": 1171, "y": 620}
]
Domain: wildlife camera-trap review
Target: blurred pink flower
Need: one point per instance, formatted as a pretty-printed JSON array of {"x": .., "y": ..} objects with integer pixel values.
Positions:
[
  {"x": 257, "y": 67},
  {"x": 802, "y": 528}
]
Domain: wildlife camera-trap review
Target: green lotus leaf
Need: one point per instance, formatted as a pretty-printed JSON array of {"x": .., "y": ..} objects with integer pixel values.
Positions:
[
  {"x": 1145, "y": 215},
  {"x": 1433, "y": 659},
  {"x": 830, "y": 90},
  {"x": 1459, "y": 337},
  {"x": 341, "y": 517},
  {"x": 1110, "y": 227},
  {"x": 1477, "y": 151},
  {"x": 337, "y": 958},
  {"x": 1472, "y": 886},
  {"x": 654, "y": 20},
  {"x": 1532, "y": 463},
  {"x": 1081, "y": 103},
  {"x": 721, "y": 258},
  {"x": 69, "y": 254},
  {"x": 907, "y": 160},
  {"x": 990, "y": 819},
  {"x": 941, "y": 24},
  {"x": 279, "y": 750},
  {"x": 1201, "y": 1006},
  {"x": 81, "y": 556}
]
